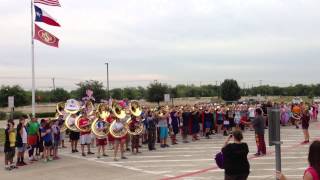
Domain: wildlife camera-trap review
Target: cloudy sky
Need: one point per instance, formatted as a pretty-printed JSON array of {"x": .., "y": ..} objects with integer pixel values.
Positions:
[{"x": 172, "y": 41}]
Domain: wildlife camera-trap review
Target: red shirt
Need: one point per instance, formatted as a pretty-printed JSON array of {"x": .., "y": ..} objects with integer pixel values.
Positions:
[{"x": 83, "y": 122}]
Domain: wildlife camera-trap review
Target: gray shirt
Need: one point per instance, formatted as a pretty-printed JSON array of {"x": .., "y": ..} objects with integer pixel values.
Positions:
[{"x": 258, "y": 125}]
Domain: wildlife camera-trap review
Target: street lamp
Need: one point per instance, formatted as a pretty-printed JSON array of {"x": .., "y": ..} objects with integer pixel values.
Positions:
[{"x": 108, "y": 90}]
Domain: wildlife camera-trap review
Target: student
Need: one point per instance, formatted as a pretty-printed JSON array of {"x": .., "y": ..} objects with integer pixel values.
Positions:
[
  {"x": 46, "y": 134},
  {"x": 85, "y": 137},
  {"x": 134, "y": 138},
  {"x": 151, "y": 125},
  {"x": 56, "y": 138},
  {"x": 33, "y": 136},
  {"x": 101, "y": 142},
  {"x": 10, "y": 145},
  {"x": 208, "y": 121},
  {"x": 74, "y": 136},
  {"x": 174, "y": 125},
  {"x": 163, "y": 128},
  {"x": 21, "y": 141},
  {"x": 62, "y": 134},
  {"x": 119, "y": 142},
  {"x": 236, "y": 164},
  {"x": 305, "y": 126},
  {"x": 186, "y": 117}
]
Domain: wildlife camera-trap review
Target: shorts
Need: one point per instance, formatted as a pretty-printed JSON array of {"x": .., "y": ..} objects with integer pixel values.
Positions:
[
  {"x": 120, "y": 140},
  {"x": 9, "y": 155},
  {"x": 85, "y": 139},
  {"x": 185, "y": 130},
  {"x": 220, "y": 122},
  {"x": 62, "y": 136},
  {"x": 23, "y": 148},
  {"x": 40, "y": 146},
  {"x": 101, "y": 142},
  {"x": 305, "y": 125},
  {"x": 56, "y": 144},
  {"x": 48, "y": 144},
  {"x": 208, "y": 124},
  {"x": 163, "y": 132},
  {"x": 32, "y": 140},
  {"x": 74, "y": 136}
]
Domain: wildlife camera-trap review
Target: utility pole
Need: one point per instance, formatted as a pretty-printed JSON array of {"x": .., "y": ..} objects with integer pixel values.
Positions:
[
  {"x": 108, "y": 90},
  {"x": 53, "y": 84},
  {"x": 260, "y": 82}
]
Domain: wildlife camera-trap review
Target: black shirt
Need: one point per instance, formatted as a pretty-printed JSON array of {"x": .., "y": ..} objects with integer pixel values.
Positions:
[{"x": 235, "y": 159}]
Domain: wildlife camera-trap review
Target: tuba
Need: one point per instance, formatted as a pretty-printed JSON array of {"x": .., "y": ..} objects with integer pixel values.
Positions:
[
  {"x": 118, "y": 111},
  {"x": 69, "y": 123},
  {"x": 103, "y": 111},
  {"x": 100, "y": 132},
  {"x": 60, "y": 108},
  {"x": 119, "y": 129},
  {"x": 83, "y": 129},
  {"x": 137, "y": 129},
  {"x": 135, "y": 108}
]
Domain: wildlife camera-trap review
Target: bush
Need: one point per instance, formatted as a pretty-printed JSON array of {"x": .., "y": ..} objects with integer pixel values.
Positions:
[
  {"x": 18, "y": 114},
  {"x": 3, "y": 115},
  {"x": 46, "y": 115}
]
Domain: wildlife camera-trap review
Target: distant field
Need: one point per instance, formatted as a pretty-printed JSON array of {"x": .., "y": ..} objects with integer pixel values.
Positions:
[{"x": 43, "y": 108}]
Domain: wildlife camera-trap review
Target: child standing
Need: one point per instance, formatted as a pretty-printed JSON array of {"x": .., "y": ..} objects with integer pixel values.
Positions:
[
  {"x": 21, "y": 141},
  {"x": 47, "y": 139},
  {"x": 10, "y": 145},
  {"x": 56, "y": 138}
]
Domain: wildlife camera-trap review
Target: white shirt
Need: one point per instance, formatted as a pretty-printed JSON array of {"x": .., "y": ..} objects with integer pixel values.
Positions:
[
  {"x": 251, "y": 112},
  {"x": 24, "y": 136}
]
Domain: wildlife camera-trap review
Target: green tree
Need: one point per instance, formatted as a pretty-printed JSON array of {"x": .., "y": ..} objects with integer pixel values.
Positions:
[
  {"x": 156, "y": 91},
  {"x": 96, "y": 86},
  {"x": 59, "y": 94},
  {"x": 230, "y": 90},
  {"x": 21, "y": 97},
  {"x": 117, "y": 93}
]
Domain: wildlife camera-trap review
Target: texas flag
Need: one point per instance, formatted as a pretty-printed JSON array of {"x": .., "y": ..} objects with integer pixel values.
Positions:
[{"x": 42, "y": 16}]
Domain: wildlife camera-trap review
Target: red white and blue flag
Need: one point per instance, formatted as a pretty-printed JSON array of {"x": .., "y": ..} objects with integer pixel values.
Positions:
[
  {"x": 48, "y": 2},
  {"x": 42, "y": 16}
]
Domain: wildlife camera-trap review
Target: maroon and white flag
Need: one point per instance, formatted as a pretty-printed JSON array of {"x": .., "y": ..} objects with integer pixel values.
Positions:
[
  {"x": 45, "y": 37},
  {"x": 48, "y": 2}
]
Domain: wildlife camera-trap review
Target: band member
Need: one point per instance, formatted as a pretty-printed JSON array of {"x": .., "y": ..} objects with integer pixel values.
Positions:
[
  {"x": 110, "y": 137},
  {"x": 305, "y": 126},
  {"x": 296, "y": 111},
  {"x": 151, "y": 125},
  {"x": 195, "y": 128},
  {"x": 186, "y": 117},
  {"x": 74, "y": 136},
  {"x": 174, "y": 125},
  {"x": 134, "y": 138},
  {"x": 56, "y": 138},
  {"x": 163, "y": 129},
  {"x": 119, "y": 142},
  {"x": 85, "y": 136},
  {"x": 101, "y": 142},
  {"x": 207, "y": 121},
  {"x": 220, "y": 116}
]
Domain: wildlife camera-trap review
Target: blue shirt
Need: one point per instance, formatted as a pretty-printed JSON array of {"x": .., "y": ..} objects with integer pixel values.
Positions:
[{"x": 47, "y": 137}]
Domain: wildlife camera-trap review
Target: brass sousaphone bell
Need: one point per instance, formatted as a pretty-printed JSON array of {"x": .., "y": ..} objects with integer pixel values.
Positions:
[
  {"x": 101, "y": 113},
  {"x": 136, "y": 111},
  {"x": 118, "y": 130}
]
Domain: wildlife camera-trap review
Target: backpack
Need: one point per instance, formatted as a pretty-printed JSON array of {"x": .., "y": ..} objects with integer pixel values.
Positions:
[{"x": 219, "y": 160}]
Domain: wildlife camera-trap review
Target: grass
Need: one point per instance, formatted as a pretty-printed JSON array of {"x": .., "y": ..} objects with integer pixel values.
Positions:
[{"x": 2, "y": 136}]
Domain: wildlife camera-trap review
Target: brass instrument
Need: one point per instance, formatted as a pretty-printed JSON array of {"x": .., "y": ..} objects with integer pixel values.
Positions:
[
  {"x": 69, "y": 123},
  {"x": 135, "y": 108},
  {"x": 103, "y": 111},
  {"x": 89, "y": 107},
  {"x": 118, "y": 111},
  {"x": 119, "y": 132},
  {"x": 100, "y": 132},
  {"x": 72, "y": 106},
  {"x": 83, "y": 129},
  {"x": 60, "y": 108},
  {"x": 137, "y": 130}
]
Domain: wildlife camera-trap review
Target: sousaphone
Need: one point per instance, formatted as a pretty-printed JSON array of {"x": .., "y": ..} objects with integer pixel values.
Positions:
[
  {"x": 83, "y": 129},
  {"x": 100, "y": 132},
  {"x": 135, "y": 108},
  {"x": 138, "y": 129},
  {"x": 70, "y": 123},
  {"x": 119, "y": 131}
]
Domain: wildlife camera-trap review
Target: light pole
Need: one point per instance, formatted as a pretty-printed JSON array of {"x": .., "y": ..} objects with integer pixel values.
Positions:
[{"x": 108, "y": 90}]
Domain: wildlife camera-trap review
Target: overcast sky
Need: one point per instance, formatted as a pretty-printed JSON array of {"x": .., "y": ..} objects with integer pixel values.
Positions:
[{"x": 172, "y": 41}]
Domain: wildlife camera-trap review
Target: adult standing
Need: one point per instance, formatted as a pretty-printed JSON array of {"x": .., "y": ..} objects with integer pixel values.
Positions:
[{"x": 236, "y": 164}]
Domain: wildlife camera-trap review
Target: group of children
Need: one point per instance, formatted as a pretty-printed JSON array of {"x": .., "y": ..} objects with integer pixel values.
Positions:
[{"x": 39, "y": 140}]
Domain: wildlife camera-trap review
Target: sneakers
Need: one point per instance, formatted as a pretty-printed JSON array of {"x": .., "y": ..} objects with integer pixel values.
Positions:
[
  {"x": 105, "y": 155},
  {"x": 83, "y": 154},
  {"x": 305, "y": 142},
  {"x": 90, "y": 153},
  {"x": 123, "y": 157}
]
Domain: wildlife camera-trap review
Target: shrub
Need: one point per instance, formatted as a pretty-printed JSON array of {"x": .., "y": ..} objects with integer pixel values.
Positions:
[{"x": 3, "y": 115}]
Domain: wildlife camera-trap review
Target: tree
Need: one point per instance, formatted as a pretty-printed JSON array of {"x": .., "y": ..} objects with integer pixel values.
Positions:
[
  {"x": 96, "y": 86},
  {"x": 230, "y": 90},
  {"x": 116, "y": 93},
  {"x": 21, "y": 97},
  {"x": 156, "y": 91},
  {"x": 59, "y": 94}
]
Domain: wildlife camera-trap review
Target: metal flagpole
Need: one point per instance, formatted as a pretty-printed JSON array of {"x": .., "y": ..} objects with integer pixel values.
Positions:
[{"x": 32, "y": 62}]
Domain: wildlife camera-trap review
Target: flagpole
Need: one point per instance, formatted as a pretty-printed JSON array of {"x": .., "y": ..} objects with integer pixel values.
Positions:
[{"x": 32, "y": 62}]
